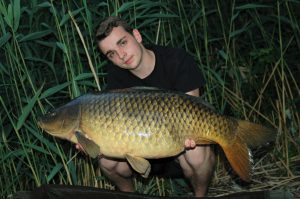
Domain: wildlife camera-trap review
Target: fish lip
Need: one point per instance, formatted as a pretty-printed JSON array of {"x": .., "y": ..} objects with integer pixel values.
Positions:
[{"x": 39, "y": 121}]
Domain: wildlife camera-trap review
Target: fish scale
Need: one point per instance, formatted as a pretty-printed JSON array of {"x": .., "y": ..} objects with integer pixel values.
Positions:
[
  {"x": 127, "y": 114},
  {"x": 145, "y": 123}
]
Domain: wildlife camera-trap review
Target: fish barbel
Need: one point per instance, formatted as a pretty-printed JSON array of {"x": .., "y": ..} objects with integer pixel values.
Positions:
[{"x": 142, "y": 123}]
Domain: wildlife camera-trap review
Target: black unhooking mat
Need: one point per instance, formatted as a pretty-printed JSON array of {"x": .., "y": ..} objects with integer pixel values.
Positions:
[{"x": 83, "y": 192}]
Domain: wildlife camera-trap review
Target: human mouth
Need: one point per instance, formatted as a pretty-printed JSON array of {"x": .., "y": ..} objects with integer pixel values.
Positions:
[{"x": 128, "y": 61}]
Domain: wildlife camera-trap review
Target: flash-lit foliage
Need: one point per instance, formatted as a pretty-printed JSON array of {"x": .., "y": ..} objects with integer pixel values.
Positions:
[{"x": 248, "y": 53}]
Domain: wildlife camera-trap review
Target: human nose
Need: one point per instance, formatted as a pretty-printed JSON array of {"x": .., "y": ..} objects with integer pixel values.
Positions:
[{"x": 122, "y": 54}]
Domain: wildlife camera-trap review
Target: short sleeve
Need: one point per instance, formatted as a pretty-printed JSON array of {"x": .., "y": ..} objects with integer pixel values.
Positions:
[{"x": 188, "y": 75}]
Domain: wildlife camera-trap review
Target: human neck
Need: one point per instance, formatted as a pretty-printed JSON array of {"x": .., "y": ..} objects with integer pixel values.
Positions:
[{"x": 147, "y": 64}]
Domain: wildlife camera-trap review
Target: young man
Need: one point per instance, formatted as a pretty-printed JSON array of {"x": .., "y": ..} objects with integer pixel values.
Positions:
[{"x": 133, "y": 64}]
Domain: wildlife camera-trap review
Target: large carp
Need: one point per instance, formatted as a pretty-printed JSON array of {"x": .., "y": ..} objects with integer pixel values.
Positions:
[{"x": 143, "y": 123}]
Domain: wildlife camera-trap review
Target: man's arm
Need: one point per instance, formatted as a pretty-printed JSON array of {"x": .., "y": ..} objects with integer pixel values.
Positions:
[
  {"x": 195, "y": 92},
  {"x": 189, "y": 143}
]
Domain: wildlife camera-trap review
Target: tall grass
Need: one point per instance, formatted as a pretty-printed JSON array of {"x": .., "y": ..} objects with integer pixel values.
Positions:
[{"x": 248, "y": 53}]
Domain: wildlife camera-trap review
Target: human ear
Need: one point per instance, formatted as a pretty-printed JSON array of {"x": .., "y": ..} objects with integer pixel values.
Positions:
[{"x": 137, "y": 35}]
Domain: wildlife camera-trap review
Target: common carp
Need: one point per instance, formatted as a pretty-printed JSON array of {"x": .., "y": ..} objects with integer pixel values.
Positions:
[{"x": 145, "y": 123}]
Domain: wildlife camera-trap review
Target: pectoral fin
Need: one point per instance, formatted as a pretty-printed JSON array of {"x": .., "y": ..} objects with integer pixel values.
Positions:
[
  {"x": 88, "y": 145},
  {"x": 141, "y": 165}
]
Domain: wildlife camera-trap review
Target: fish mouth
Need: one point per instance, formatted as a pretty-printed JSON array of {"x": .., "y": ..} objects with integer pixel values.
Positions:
[
  {"x": 40, "y": 123},
  {"x": 45, "y": 127}
]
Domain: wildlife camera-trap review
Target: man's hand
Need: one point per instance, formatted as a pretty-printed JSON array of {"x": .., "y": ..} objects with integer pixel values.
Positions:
[
  {"x": 79, "y": 147},
  {"x": 189, "y": 144}
]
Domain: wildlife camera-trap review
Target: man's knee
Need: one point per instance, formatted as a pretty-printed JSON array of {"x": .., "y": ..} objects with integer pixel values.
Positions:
[
  {"x": 197, "y": 159},
  {"x": 115, "y": 167},
  {"x": 207, "y": 157}
]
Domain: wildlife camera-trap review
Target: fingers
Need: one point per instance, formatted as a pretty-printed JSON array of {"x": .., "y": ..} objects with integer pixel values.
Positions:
[
  {"x": 79, "y": 147},
  {"x": 189, "y": 144}
]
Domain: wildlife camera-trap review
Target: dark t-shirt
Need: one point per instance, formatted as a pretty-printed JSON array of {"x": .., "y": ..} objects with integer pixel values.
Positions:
[{"x": 174, "y": 70}]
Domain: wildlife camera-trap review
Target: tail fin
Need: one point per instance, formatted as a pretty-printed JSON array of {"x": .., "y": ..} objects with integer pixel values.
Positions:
[
  {"x": 254, "y": 134},
  {"x": 239, "y": 158},
  {"x": 238, "y": 153}
]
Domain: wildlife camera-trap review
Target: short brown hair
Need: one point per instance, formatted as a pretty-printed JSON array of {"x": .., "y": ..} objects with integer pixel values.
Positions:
[{"x": 108, "y": 24}]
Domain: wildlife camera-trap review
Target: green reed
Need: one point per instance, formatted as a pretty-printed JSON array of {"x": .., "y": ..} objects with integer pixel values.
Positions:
[{"x": 248, "y": 53}]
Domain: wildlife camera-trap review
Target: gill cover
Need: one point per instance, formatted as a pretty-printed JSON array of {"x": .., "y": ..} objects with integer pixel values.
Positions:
[{"x": 62, "y": 122}]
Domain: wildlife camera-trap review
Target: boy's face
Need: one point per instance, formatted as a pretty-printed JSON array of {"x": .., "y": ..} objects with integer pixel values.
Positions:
[{"x": 122, "y": 48}]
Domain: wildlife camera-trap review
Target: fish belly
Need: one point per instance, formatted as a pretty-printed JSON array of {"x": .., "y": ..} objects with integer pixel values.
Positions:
[
  {"x": 149, "y": 125},
  {"x": 141, "y": 144}
]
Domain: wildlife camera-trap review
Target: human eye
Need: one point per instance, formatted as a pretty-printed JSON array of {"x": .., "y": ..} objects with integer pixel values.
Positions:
[
  {"x": 123, "y": 42},
  {"x": 111, "y": 55}
]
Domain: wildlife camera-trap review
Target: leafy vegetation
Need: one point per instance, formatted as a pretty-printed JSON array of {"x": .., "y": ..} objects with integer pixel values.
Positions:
[{"x": 248, "y": 52}]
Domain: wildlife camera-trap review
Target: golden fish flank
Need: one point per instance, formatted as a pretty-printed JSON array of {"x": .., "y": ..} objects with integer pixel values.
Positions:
[{"x": 137, "y": 124}]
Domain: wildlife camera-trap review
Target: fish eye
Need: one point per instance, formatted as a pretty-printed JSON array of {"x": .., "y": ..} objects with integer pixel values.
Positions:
[{"x": 51, "y": 113}]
